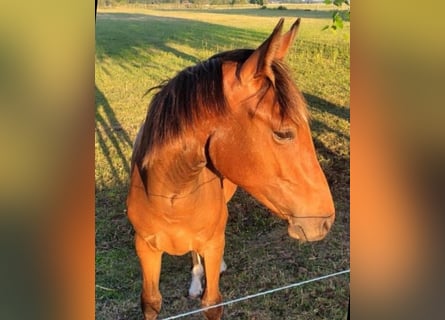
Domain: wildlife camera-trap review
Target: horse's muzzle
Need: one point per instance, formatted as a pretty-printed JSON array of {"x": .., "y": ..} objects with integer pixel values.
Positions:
[{"x": 309, "y": 228}]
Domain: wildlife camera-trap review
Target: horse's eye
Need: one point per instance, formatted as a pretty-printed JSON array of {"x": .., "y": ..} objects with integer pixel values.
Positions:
[{"x": 283, "y": 135}]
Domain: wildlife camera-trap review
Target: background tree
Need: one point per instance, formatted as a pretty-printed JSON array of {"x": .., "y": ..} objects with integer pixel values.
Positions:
[{"x": 258, "y": 2}]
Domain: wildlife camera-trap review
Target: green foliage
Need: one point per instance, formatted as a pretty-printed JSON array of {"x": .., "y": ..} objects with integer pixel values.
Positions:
[
  {"x": 338, "y": 16},
  {"x": 337, "y": 3}
]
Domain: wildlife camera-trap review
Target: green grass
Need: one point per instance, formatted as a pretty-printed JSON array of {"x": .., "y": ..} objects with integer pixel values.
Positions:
[{"x": 137, "y": 48}]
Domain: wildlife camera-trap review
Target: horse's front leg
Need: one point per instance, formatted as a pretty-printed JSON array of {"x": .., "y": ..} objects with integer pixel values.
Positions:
[
  {"x": 195, "y": 289},
  {"x": 150, "y": 260},
  {"x": 212, "y": 260}
]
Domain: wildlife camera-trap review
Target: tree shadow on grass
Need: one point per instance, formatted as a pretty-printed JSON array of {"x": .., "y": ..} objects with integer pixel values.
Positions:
[
  {"x": 125, "y": 36},
  {"x": 327, "y": 106},
  {"x": 336, "y": 168},
  {"x": 109, "y": 130},
  {"x": 333, "y": 155}
]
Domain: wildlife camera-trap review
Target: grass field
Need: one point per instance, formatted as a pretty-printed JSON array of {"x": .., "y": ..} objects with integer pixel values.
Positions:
[{"x": 136, "y": 49}]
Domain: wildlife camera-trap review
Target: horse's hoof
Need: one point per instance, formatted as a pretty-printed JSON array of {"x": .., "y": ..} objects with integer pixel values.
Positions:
[
  {"x": 195, "y": 291},
  {"x": 223, "y": 267},
  {"x": 213, "y": 314},
  {"x": 194, "y": 297},
  {"x": 151, "y": 309}
]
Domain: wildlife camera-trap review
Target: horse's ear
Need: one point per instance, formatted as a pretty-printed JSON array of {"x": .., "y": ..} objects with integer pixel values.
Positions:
[
  {"x": 287, "y": 40},
  {"x": 260, "y": 61}
]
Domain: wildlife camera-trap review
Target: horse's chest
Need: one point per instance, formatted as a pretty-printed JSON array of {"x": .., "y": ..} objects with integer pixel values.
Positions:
[{"x": 178, "y": 230}]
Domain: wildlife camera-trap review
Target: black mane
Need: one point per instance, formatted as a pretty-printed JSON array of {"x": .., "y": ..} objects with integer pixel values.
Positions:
[{"x": 197, "y": 92}]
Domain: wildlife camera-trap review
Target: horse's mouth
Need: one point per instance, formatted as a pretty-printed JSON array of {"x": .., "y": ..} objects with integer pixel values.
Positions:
[{"x": 296, "y": 232}]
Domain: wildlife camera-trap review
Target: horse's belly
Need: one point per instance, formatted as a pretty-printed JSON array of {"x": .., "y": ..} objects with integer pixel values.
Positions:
[
  {"x": 178, "y": 245},
  {"x": 174, "y": 242},
  {"x": 178, "y": 239}
]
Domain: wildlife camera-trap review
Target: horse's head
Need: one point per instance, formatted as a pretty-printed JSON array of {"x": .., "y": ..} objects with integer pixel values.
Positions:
[{"x": 264, "y": 143}]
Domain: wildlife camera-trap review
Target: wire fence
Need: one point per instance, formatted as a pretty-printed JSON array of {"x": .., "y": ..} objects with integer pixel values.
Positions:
[{"x": 255, "y": 295}]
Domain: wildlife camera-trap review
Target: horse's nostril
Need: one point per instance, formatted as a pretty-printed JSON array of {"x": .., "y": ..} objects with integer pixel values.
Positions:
[{"x": 326, "y": 225}]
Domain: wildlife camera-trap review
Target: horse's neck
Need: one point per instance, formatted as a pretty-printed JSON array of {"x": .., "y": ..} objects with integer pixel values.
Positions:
[
  {"x": 178, "y": 172},
  {"x": 167, "y": 183}
]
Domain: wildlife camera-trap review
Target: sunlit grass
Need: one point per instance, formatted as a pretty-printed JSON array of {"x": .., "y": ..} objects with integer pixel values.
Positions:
[{"x": 136, "y": 49}]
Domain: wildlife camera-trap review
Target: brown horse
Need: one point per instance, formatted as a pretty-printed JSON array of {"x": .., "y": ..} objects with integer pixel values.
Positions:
[{"x": 236, "y": 119}]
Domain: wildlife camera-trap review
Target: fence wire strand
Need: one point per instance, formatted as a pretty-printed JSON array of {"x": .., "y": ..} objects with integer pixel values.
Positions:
[{"x": 251, "y": 296}]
